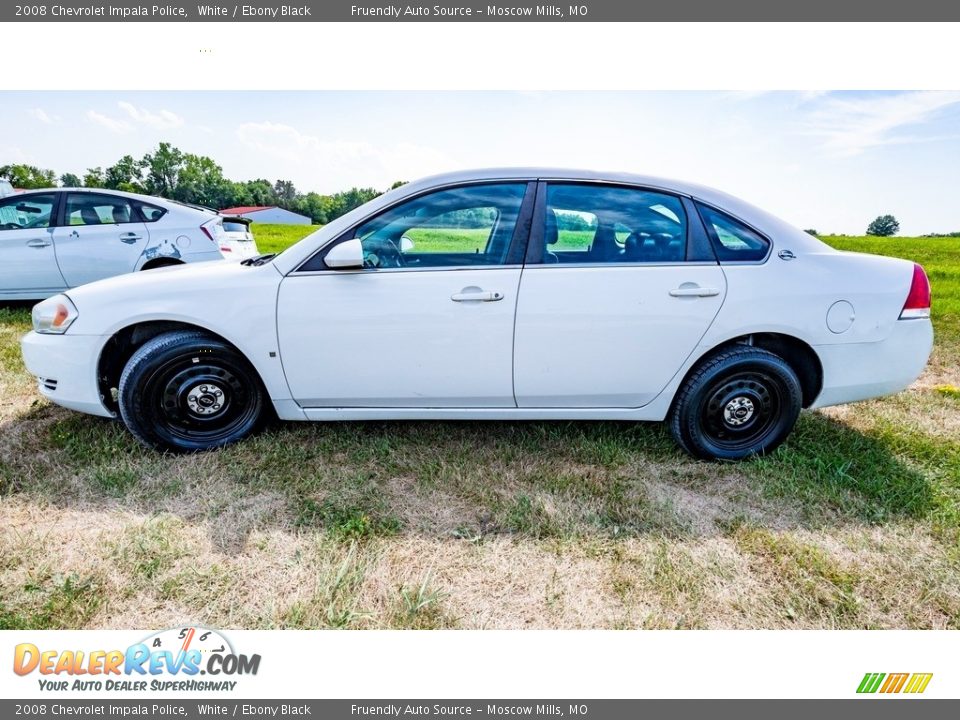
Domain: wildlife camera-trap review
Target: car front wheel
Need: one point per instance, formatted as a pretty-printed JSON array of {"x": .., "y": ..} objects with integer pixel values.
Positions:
[
  {"x": 186, "y": 391},
  {"x": 740, "y": 402}
]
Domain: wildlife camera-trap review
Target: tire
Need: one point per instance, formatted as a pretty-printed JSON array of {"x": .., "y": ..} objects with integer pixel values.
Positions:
[
  {"x": 186, "y": 391},
  {"x": 740, "y": 402}
]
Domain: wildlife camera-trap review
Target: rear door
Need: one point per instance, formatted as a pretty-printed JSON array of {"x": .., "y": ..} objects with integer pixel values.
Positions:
[
  {"x": 101, "y": 235},
  {"x": 28, "y": 266},
  {"x": 619, "y": 286}
]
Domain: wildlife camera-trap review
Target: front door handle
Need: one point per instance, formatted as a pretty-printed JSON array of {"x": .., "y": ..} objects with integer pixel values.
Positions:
[
  {"x": 694, "y": 291},
  {"x": 39, "y": 243},
  {"x": 477, "y": 296},
  {"x": 130, "y": 238}
]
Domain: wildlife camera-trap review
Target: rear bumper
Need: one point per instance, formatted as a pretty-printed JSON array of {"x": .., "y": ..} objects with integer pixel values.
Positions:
[
  {"x": 859, "y": 371},
  {"x": 66, "y": 369},
  {"x": 238, "y": 249}
]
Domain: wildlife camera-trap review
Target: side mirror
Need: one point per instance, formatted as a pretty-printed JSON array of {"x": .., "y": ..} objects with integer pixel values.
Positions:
[
  {"x": 347, "y": 255},
  {"x": 406, "y": 244}
]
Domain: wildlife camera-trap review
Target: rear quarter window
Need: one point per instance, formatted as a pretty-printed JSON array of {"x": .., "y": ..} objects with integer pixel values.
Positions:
[
  {"x": 151, "y": 213},
  {"x": 732, "y": 240}
]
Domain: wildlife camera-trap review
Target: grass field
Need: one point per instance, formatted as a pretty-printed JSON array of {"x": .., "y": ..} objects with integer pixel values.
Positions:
[{"x": 854, "y": 523}]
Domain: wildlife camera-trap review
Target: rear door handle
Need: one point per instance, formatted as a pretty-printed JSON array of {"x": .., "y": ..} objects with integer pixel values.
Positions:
[
  {"x": 130, "y": 238},
  {"x": 477, "y": 296},
  {"x": 39, "y": 243},
  {"x": 695, "y": 291}
]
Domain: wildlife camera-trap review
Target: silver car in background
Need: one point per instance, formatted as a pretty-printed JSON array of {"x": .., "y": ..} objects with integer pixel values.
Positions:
[{"x": 53, "y": 240}]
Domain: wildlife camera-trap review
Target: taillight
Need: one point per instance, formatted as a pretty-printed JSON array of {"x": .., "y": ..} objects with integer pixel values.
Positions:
[{"x": 918, "y": 299}]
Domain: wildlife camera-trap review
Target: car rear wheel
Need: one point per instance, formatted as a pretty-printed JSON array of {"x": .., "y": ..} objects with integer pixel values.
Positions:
[
  {"x": 740, "y": 402},
  {"x": 186, "y": 391}
]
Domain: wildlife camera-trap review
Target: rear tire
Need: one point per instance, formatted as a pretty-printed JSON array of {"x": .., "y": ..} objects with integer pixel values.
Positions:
[
  {"x": 187, "y": 391},
  {"x": 740, "y": 402}
]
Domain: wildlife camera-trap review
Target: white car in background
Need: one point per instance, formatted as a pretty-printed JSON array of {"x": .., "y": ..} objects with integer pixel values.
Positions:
[
  {"x": 500, "y": 294},
  {"x": 52, "y": 240},
  {"x": 236, "y": 230}
]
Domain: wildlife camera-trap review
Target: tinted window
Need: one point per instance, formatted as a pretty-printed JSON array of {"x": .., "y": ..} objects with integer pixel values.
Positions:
[
  {"x": 601, "y": 224},
  {"x": 456, "y": 227},
  {"x": 732, "y": 240},
  {"x": 92, "y": 209},
  {"x": 234, "y": 226},
  {"x": 31, "y": 211},
  {"x": 151, "y": 213}
]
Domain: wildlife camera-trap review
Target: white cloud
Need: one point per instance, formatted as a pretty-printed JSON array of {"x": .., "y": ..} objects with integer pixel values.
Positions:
[
  {"x": 851, "y": 125},
  {"x": 327, "y": 165},
  {"x": 105, "y": 121},
  {"x": 40, "y": 115},
  {"x": 162, "y": 120}
]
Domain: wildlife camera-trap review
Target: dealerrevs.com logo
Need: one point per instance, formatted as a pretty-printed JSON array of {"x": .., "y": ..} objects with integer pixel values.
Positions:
[
  {"x": 891, "y": 683},
  {"x": 179, "y": 659}
]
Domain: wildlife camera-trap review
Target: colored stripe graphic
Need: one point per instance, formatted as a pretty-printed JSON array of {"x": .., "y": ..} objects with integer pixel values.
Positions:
[
  {"x": 870, "y": 682},
  {"x": 894, "y": 683},
  {"x": 918, "y": 683}
]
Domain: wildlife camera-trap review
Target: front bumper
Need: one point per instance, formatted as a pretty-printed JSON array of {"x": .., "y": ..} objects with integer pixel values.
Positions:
[
  {"x": 66, "y": 369},
  {"x": 860, "y": 371}
]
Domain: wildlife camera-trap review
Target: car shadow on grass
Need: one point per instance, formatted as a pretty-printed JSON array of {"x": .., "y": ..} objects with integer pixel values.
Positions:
[{"x": 468, "y": 480}]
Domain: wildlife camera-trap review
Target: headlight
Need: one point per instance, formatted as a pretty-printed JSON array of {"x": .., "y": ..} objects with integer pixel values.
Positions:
[{"x": 54, "y": 315}]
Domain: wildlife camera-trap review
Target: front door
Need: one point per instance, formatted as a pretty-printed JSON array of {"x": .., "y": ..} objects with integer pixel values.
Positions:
[
  {"x": 428, "y": 322},
  {"x": 101, "y": 236},
  {"x": 28, "y": 266},
  {"x": 613, "y": 300}
]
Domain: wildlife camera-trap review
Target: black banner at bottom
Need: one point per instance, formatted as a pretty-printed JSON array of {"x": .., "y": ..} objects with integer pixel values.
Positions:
[{"x": 867, "y": 708}]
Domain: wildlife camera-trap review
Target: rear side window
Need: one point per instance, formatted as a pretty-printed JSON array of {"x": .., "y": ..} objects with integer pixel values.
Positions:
[
  {"x": 93, "y": 209},
  {"x": 610, "y": 224},
  {"x": 732, "y": 240}
]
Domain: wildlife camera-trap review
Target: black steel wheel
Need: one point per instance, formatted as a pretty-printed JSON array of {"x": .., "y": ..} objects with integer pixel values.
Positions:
[
  {"x": 740, "y": 402},
  {"x": 186, "y": 391}
]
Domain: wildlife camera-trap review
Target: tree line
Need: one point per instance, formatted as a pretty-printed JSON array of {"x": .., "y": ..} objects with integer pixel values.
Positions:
[{"x": 169, "y": 172}]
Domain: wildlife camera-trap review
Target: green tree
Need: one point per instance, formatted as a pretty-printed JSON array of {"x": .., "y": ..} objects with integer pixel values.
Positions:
[
  {"x": 28, "y": 177},
  {"x": 884, "y": 226},
  {"x": 70, "y": 180},
  {"x": 163, "y": 168},
  {"x": 125, "y": 175},
  {"x": 286, "y": 193},
  {"x": 93, "y": 178},
  {"x": 200, "y": 181}
]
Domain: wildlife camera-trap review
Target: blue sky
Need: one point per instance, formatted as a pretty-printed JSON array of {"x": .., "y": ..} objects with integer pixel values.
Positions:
[{"x": 828, "y": 160}]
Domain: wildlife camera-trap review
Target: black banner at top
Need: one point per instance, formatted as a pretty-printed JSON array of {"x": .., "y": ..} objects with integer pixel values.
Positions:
[{"x": 481, "y": 11}]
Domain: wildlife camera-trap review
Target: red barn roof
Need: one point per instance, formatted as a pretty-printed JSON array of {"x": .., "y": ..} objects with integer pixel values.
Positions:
[{"x": 245, "y": 209}]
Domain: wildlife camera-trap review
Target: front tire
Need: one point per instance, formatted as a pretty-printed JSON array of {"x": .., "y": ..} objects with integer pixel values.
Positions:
[
  {"x": 186, "y": 391},
  {"x": 740, "y": 402}
]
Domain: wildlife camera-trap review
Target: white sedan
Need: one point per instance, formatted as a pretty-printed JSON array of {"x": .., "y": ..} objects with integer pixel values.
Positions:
[
  {"x": 500, "y": 294},
  {"x": 52, "y": 240}
]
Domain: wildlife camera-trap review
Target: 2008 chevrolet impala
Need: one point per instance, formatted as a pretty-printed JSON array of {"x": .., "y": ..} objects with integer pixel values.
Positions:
[{"x": 499, "y": 294}]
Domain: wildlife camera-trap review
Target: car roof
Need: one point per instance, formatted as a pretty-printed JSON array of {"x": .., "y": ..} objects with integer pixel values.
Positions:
[{"x": 149, "y": 199}]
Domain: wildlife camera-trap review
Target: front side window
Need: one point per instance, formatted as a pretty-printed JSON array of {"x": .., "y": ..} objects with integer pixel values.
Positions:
[
  {"x": 26, "y": 212},
  {"x": 732, "y": 240},
  {"x": 93, "y": 209},
  {"x": 606, "y": 224},
  {"x": 465, "y": 226}
]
